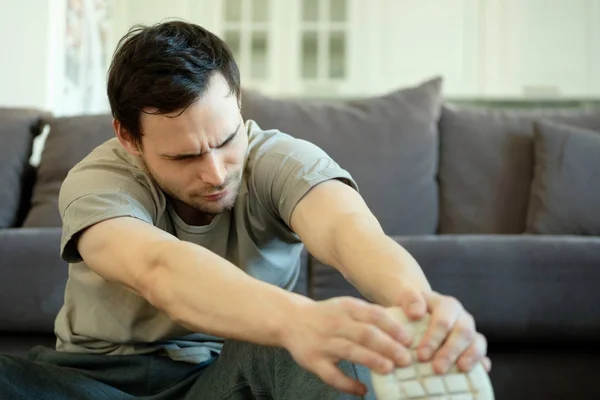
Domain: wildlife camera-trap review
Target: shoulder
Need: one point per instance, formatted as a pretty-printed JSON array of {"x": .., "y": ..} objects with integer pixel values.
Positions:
[
  {"x": 109, "y": 156},
  {"x": 108, "y": 183},
  {"x": 109, "y": 170},
  {"x": 281, "y": 169},
  {"x": 273, "y": 144}
]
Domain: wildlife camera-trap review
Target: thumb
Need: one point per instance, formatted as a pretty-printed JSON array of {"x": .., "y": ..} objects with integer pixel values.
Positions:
[{"x": 413, "y": 302}]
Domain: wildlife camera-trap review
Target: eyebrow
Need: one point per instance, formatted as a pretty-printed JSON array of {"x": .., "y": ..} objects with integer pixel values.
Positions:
[{"x": 190, "y": 155}]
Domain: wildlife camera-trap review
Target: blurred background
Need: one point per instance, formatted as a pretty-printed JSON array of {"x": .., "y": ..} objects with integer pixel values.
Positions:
[{"x": 55, "y": 53}]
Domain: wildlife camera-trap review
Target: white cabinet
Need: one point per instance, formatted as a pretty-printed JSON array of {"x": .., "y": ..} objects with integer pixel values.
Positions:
[
  {"x": 540, "y": 48},
  {"x": 250, "y": 27},
  {"x": 292, "y": 47},
  {"x": 283, "y": 47},
  {"x": 426, "y": 38},
  {"x": 593, "y": 49},
  {"x": 504, "y": 49}
]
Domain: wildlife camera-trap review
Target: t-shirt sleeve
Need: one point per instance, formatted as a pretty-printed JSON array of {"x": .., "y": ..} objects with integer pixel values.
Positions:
[
  {"x": 288, "y": 169},
  {"x": 94, "y": 194}
]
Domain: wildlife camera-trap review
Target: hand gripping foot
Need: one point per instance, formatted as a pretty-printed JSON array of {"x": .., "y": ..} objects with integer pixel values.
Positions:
[{"x": 419, "y": 381}]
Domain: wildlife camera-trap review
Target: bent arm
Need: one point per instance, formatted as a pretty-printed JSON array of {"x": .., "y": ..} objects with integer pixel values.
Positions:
[{"x": 193, "y": 286}]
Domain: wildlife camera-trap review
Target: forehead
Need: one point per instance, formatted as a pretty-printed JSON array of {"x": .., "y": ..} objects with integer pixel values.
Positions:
[{"x": 211, "y": 118}]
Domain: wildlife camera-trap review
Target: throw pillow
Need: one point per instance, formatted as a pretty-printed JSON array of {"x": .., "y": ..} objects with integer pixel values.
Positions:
[
  {"x": 565, "y": 193},
  {"x": 388, "y": 144},
  {"x": 70, "y": 140},
  {"x": 18, "y": 128}
]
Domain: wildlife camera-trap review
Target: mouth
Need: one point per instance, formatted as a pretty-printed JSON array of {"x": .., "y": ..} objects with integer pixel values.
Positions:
[{"x": 217, "y": 196}]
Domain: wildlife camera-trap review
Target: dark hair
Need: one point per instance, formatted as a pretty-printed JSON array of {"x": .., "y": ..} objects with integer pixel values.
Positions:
[{"x": 166, "y": 66}]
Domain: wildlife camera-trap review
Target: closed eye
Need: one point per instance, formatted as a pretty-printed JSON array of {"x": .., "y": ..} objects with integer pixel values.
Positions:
[
  {"x": 184, "y": 157},
  {"x": 229, "y": 140}
]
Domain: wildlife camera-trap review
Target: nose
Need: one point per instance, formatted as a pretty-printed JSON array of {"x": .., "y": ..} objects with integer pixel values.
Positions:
[{"x": 212, "y": 170}]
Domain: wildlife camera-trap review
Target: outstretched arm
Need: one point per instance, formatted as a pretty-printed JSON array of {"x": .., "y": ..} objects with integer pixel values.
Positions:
[{"x": 338, "y": 228}]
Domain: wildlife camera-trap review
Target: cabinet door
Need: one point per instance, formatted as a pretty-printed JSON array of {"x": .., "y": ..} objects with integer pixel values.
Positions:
[
  {"x": 248, "y": 26},
  {"x": 323, "y": 30},
  {"x": 593, "y": 49},
  {"x": 426, "y": 38},
  {"x": 293, "y": 47},
  {"x": 538, "y": 48},
  {"x": 125, "y": 14}
]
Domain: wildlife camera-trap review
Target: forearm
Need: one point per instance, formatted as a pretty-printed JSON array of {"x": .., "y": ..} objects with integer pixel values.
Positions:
[
  {"x": 205, "y": 293},
  {"x": 373, "y": 262}
]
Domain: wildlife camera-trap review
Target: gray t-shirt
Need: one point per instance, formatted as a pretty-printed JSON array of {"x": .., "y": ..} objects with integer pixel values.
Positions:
[{"x": 103, "y": 317}]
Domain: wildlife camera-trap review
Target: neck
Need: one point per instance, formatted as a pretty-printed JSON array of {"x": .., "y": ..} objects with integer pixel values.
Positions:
[{"x": 190, "y": 215}]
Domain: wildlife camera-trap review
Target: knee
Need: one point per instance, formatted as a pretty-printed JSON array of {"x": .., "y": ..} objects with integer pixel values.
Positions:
[
  {"x": 11, "y": 367},
  {"x": 10, "y": 371},
  {"x": 7, "y": 362}
]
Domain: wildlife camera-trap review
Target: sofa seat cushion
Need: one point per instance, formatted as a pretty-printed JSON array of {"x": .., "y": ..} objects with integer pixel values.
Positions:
[
  {"x": 69, "y": 141},
  {"x": 565, "y": 193},
  {"x": 522, "y": 288},
  {"x": 544, "y": 372},
  {"x": 388, "y": 144},
  {"x": 19, "y": 344},
  {"x": 32, "y": 279},
  {"x": 18, "y": 128},
  {"x": 487, "y": 163}
]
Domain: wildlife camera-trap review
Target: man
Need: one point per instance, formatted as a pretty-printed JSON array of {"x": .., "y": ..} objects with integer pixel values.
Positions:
[{"x": 183, "y": 235}]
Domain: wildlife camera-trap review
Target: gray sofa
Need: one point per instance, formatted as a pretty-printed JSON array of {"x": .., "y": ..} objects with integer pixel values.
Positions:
[{"x": 469, "y": 192}]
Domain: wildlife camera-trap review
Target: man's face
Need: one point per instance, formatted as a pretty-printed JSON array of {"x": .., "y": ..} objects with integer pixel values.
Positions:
[{"x": 197, "y": 157}]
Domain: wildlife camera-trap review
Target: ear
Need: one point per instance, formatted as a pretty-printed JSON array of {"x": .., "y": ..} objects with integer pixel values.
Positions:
[{"x": 125, "y": 138}]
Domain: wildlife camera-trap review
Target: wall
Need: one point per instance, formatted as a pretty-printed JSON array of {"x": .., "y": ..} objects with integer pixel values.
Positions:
[
  {"x": 485, "y": 49},
  {"x": 501, "y": 50},
  {"x": 30, "y": 39}
]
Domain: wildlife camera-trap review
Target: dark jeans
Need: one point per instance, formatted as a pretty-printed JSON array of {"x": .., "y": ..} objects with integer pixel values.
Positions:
[{"x": 242, "y": 371}]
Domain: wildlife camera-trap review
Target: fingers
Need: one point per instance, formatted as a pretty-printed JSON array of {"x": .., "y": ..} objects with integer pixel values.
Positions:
[
  {"x": 372, "y": 327},
  {"x": 331, "y": 375},
  {"x": 341, "y": 349},
  {"x": 376, "y": 315},
  {"x": 413, "y": 303},
  {"x": 460, "y": 338},
  {"x": 446, "y": 311},
  {"x": 378, "y": 342},
  {"x": 487, "y": 364},
  {"x": 474, "y": 354}
]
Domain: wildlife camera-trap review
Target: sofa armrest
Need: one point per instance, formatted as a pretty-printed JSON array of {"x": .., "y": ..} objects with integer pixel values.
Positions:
[
  {"x": 32, "y": 279},
  {"x": 519, "y": 288}
]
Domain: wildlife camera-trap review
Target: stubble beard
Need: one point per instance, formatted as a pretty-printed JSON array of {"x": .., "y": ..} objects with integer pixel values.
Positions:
[{"x": 196, "y": 201}]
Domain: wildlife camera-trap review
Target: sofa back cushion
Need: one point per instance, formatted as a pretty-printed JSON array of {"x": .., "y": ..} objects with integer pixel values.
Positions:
[
  {"x": 486, "y": 166},
  {"x": 387, "y": 143},
  {"x": 69, "y": 141},
  {"x": 18, "y": 128}
]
